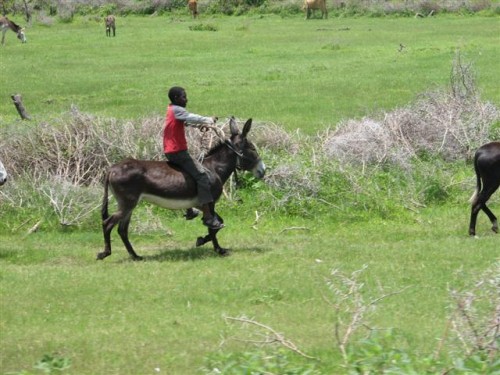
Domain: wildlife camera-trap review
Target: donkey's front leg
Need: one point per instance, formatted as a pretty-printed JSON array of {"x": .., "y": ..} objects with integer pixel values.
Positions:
[{"x": 212, "y": 236}]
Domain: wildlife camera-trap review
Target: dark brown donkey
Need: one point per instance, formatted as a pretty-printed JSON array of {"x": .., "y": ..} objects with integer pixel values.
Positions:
[
  {"x": 6, "y": 24},
  {"x": 487, "y": 166},
  {"x": 159, "y": 183},
  {"x": 110, "y": 25}
]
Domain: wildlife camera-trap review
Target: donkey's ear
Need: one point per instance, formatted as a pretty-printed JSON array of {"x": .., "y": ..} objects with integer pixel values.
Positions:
[
  {"x": 247, "y": 127},
  {"x": 233, "y": 126}
]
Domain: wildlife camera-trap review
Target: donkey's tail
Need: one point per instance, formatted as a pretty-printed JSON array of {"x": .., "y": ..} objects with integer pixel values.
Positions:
[
  {"x": 104, "y": 208},
  {"x": 474, "y": 197}
]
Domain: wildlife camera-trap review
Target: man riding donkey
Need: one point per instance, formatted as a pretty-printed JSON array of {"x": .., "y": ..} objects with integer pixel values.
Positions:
[{"x": 176, "y": 151}]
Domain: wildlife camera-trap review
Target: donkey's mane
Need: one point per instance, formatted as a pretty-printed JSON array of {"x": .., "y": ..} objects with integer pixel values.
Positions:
[
  {"x": 14, "y": 24},
  {"x": 215, "y": 148}
]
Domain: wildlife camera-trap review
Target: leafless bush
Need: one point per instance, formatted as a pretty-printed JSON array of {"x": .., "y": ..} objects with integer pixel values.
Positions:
[
  {"x": 364, "y": 141},
  {"x": 266, "y": 335},
  {"x": 80, "y": 147},
  {"x": 291, "y": 170},
  {"x": 294, "y": 180},
  {"x": 448, "y": 124},
  {"x": 463, "y": 79},
  {"x": 351, "y": 309},
  {"x": 475, "y": 318},
  {"x": 422, "y": 7},
  {"x": 71, "y": 202},
  {"x": 44, "y": 19},
  {"x": 275, "y": 138},
  {"x": 16, "y": 194}
]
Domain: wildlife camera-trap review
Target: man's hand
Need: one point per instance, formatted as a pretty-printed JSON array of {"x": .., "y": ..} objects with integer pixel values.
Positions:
[{"x": 219, "y": 132}]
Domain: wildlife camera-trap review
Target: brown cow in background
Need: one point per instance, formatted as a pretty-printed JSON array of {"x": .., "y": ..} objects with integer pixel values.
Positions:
[
  {"x": 193, "y": 7},
  {"x": 311, "y": 5}
]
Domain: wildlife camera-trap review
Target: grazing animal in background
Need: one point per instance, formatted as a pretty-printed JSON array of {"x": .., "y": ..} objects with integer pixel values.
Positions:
[
  {"x": 160, "y": 183},
  {"x": 193, "y": 7},
  {"x": 6, "y": 24},
  {"x": 312, "y": 5},
  {"x": 110, "y": 25},
  {"x": 3, "y": 174},
  {"x": 487, "y": 167}
]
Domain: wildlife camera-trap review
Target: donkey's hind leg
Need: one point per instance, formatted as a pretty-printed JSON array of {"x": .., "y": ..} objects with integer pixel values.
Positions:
[
  {"x": 123, "y": 232},
  {"x": 480, "y": 204},
  {"x": 107, "y": 227}
]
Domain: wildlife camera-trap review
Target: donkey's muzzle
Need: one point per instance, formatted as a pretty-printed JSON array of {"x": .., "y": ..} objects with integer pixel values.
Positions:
[{"x": 259, "y": 170}]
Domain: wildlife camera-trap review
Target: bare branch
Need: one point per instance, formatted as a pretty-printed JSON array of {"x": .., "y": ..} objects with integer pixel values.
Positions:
[{"x": 275, "y": 338}]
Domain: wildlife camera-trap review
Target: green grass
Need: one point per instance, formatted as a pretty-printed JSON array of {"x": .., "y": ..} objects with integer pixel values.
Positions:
[
  {"x": 307, "y": 75},
  {"x": 168, "y": 312},
  {"x": 121, "y": 317}
]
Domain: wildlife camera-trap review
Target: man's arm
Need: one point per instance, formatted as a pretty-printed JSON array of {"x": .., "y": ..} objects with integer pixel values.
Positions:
[{"x": 180, "y": 113}]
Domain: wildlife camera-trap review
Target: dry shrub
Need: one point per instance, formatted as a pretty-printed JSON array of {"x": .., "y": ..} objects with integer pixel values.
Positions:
[
  {"x": 450, "y": 124},
  {"x": 364, "y": 141},
  {"x": 79, "y": 147},
  {"x": 475, "y": 317},
  {"x": 275, "y": 138},
  {"x": 447, "y": 125},
  {"x": 43, "y": 19},
  {"x": 293, "y": 178},
  {"x": 70, "y": 202},
  {"x": 290, "y": 170},
  {"x": 421, "y": 7}
]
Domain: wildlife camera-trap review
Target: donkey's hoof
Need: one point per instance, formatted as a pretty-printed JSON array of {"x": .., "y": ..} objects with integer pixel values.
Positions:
[
  {"x": 223, "y": 252},
  {"x": 102, "y": 255},
  {"x": 137, "y": 258},
  {"x": 200, "y": 241}
]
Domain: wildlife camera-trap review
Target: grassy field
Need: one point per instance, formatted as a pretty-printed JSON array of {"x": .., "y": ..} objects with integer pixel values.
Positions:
[
  {"x": 306, "y": 75},
  {"x": 167, "y": 314},
  {"x": 117, "y": 316}
]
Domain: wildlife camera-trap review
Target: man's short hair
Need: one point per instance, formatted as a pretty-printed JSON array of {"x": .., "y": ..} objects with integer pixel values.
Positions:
[{"x": 174, "y": 93}]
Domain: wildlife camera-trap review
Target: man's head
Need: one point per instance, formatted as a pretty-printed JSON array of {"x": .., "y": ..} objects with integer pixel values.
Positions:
[{"x": 177, "y": 96}]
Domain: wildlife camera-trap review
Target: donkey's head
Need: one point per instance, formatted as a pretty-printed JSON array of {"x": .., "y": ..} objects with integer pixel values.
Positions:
[
  {"x": 248, "y": 157},
  {"x": 21, "y": 36}
]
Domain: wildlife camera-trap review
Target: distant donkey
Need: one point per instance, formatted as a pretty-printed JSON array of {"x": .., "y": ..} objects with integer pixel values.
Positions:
[
  {"x": 487, "y": 167},
  {"x": 193, "y": 7},
  {"x": 110, "y": 25},
  {"x": 6, "y": 24},
  {"x": 3, "y": 174}
]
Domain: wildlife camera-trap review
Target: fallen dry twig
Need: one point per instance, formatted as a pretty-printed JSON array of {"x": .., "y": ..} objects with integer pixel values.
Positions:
[{"x": 275, "y": 337}]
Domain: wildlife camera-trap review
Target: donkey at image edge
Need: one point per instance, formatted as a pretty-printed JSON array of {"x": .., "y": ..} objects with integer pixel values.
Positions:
[
  {"x": 487, "y": 167},
  {"x": 3, "y": 174}
]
